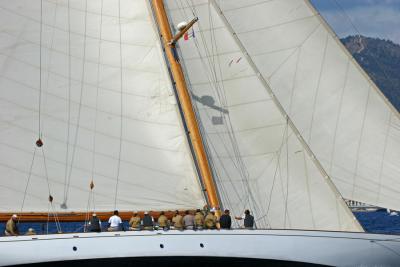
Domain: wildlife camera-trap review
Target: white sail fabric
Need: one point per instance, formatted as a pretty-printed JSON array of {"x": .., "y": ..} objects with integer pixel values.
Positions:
[
  {"x": 344, "y": 118},
  {"x": 128, "y": 138},
  {"x": 258, "y": 159}
]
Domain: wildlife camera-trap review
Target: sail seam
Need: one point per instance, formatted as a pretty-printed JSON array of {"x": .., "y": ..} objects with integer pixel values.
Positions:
[{"x": 293, "y": 127}]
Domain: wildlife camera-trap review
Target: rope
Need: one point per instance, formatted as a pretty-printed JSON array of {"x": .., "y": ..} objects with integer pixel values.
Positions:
[
  {"x": 80, "y": 106},
  {"x": 40, "y": 72},
  {"x": 318, "y": 87},
  {"x": 27, "y": 182},
  {"x": 121, "y": 117},
  {"x": 68, "y": 104},
  {"x": 287, "y": 176}
]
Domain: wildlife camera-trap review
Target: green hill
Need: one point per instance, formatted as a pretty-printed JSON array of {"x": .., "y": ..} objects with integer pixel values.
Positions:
[{"x": 381, "y": 60}]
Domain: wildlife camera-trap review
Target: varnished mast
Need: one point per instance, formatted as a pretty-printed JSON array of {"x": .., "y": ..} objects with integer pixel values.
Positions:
[{"x": 185, "y": 101}]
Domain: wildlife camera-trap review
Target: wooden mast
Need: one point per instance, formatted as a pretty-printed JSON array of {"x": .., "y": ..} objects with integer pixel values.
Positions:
[{"x": 186, "y": 103}]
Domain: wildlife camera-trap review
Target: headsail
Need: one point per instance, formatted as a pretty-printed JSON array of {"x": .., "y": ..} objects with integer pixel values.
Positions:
[
  {"x": 353, "y": 130},
  {"x": 108, "y": 112},
  {"x": 258, "y": 157}
]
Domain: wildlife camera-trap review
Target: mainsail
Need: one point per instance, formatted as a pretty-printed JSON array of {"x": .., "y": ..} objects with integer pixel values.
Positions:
[
  {"x": 89, "y": 79},
  {"x": 260, "y": 160},
  {"x": 349, "y": 125}
]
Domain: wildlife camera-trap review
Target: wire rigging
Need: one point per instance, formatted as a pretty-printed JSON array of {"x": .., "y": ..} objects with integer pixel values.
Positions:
[{"x": 121, "y": 105}]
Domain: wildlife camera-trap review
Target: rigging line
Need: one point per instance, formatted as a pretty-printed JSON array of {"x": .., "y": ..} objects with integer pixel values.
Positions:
[
  {"x": 239, "y": 163},
  {"x": 213, "y": 73},
  {"x": 360, "y": 139},
  {"x": 310, "y": 203},
  {"x": 27, "y": 182},
  {"x": 121, "y": 117},
  {"x": 383, "y": 158},
  {"x": 278, "y": 156},
  {"x": 50, "y": 56},
  {"x": 338, "y": 115},
  {"x": 40, "y": 69},
  {"x": 318, "y": 87},
  {"x": 294, "y": 81},
  {"x": 79, "y": 107},
  {"x": 287, "y": 174},
  {"x": 97, "y": 92},
  {"x": 68, "y": 101}
]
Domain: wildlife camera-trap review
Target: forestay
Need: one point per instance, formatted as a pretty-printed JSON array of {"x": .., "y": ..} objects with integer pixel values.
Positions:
[
  {"x": 257, "y": 156},
  {"x": 106, "y": 108},
  {"x": 349, "y": 125}
]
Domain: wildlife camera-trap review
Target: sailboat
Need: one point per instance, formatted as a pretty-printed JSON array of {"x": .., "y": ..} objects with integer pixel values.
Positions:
[{"x": 249, "y": 105}]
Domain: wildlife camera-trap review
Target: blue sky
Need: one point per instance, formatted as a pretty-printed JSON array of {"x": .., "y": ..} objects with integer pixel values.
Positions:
[{"x": 374, "y": 18}]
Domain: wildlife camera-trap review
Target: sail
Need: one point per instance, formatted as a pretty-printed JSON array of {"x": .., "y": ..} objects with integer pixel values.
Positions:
[
  {"x": 344, "y": 118},
  {"x": 259, "y": 159},
  {"x": 89, "y": 79}
]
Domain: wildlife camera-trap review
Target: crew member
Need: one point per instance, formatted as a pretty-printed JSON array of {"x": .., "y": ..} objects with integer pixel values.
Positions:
[
  {"x": 114, "y": 222},
  {"x": 163, "y": 221},
  {"x": 248, "y": 220},
  {"x": 11, "y": 226},
  {"x": 210, "y": 221},
  {"x": 225, "y": 220},
  {"x": 188, "y": 220},
  {"x": 134, "y": 222},
  {"x": 148, "y": 221},
  {"x": 198, "y": 220},
  {"x": 177, "y": 220},
  {"x": 95, "y": 224}
]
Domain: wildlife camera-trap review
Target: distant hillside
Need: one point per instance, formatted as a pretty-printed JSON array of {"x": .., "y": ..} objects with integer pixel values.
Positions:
[{"x": 381, "y": 60}]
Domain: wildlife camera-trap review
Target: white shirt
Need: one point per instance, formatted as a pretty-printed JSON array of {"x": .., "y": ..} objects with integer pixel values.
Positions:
[{"x": 114, "y": 221}]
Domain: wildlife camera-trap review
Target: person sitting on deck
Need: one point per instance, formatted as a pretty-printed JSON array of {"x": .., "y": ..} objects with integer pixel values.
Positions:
[
  {"x": 225, "y": 220},
  {"x": 247, "y": 219},
  {"x": 148, "y": 221},
  {"x": 95, "y": 224},
  {"x": 114, "y": 222},
  {"x": 177, "y": 221},
  {"x": 31, "y": 231},
  {"x": 163, "y": 221},
  {"x": 11, "y": 226},
  {"x": 188, "y": 220},
  {"x": 210, "y": 222},
  {"x": 199, "y": 220},
  {"x": 134, "y": 222}
]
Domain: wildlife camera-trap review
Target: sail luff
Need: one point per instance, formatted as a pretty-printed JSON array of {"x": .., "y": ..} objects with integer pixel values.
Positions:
[
  {"x": 185, "y": 101},
  {"x": 267, "y": 86}
]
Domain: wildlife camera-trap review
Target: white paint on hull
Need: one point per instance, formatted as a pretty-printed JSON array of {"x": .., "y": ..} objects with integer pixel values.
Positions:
[{"x": 329, "y": 248}]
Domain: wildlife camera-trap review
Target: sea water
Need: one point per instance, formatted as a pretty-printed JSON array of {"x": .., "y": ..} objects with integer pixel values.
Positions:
[{"x": 373, "y": 222}]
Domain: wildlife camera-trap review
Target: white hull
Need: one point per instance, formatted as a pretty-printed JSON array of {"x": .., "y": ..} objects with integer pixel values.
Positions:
[{"x": 318, "y": 247}]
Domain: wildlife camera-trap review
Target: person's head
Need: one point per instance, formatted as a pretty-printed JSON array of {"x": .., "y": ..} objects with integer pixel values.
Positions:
[
  {"x": 198, "y": 210},
  {"x": 31, "y": 230},
  {"x": 226, "y": 212},
  {"x": 176, "y": 212},
  {"x": 146, "y": 213},
  {"x": 186, "y": 212},
  {"x": 134, "y": 214},
  {"x": 115, "y": 212},
  {"x": 14, "y": 217},
  {"x": 94, "y": 214},
  {"x": 247, "y": 212},
  {"x": 161, "y": 213}
]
